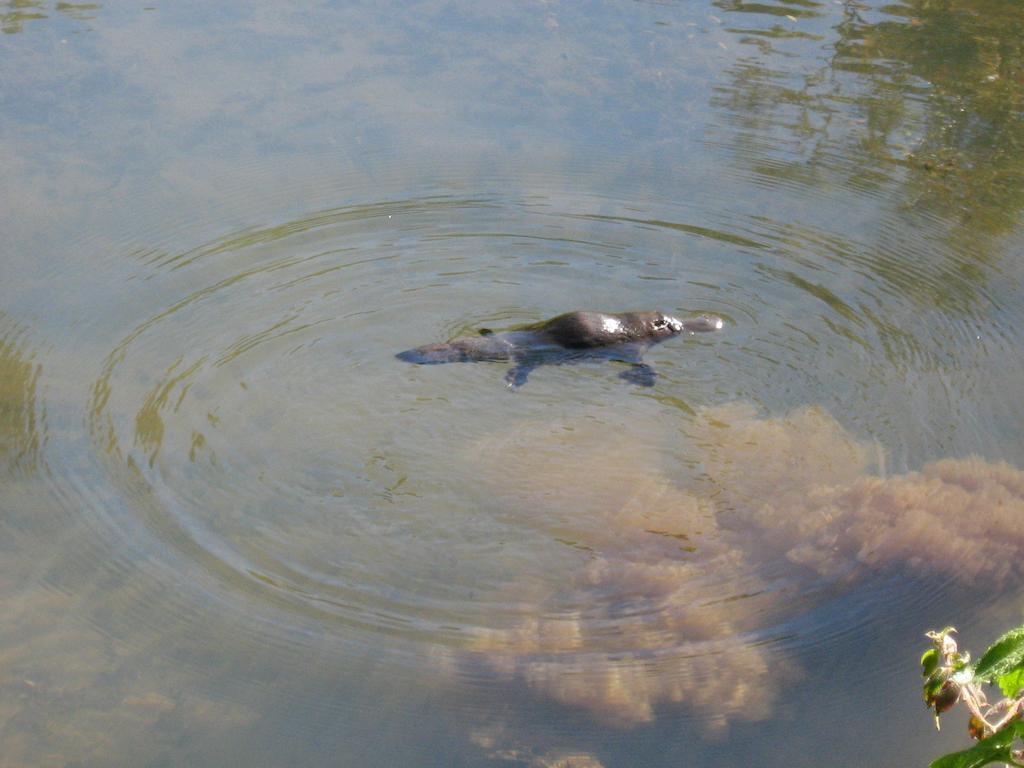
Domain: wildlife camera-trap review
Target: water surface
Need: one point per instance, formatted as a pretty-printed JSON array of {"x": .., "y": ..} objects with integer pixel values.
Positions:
[{"x": 236, "y": 530}]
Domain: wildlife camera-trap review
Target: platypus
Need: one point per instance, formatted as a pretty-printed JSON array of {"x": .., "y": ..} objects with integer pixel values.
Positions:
[{"x": 568, "y": 338}]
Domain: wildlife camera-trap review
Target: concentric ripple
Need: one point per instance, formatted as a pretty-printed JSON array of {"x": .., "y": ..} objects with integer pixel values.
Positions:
[{"x": 273, "y": 461}]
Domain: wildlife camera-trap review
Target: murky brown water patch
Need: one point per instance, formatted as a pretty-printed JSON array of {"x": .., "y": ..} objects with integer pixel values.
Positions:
[{"x": 695, "y": 591}]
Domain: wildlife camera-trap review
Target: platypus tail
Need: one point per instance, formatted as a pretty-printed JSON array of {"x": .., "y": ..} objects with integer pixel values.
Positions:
[
  {"x": 432, "y": 354},
  {"x": 462, "y": 350}
]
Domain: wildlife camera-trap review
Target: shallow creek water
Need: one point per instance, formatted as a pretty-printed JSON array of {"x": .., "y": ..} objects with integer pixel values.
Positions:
[{"x": 236, "y": 530}]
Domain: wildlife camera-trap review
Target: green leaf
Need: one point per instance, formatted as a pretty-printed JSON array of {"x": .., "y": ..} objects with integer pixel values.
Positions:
[
  {"x": 1005, "y": 655},
  {"x": 929, "y": 661},
  {"x": 1011, "y": 683},
  {"x": 994, "y": 749}
]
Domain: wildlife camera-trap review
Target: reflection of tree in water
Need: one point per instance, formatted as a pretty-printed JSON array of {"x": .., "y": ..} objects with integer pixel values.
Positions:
[
  {"x": 20, "y": 417},
  {"x": 933, "y": 88},
  {"x": 14, "y": 13},
  {"x": 968, "y": 162}
]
